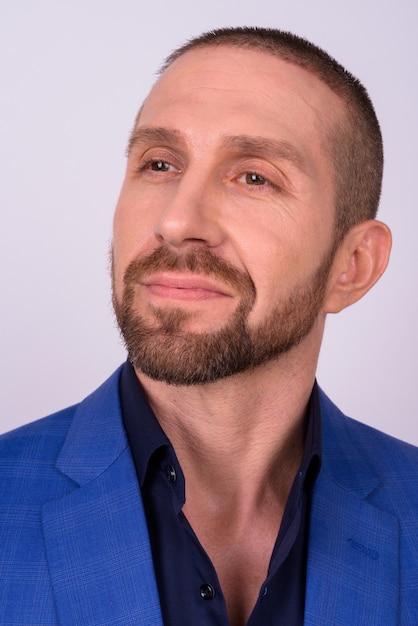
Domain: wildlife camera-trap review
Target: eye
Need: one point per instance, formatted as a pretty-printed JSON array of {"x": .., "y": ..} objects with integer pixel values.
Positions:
[
  {"x": 252, "y": 178},
  {"x": 159, "y": 166},
  {"x": 155, "y": 168}
]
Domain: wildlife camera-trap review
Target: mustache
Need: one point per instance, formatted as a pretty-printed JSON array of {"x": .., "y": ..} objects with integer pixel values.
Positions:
[{"x": 196, "y": 259}]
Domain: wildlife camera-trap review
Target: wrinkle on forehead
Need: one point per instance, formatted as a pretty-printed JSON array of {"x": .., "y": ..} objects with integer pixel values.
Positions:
[
  {"x": 235, "y": 64},
  {"x": 234, "y": 90},
  {"x": 253, "y": 79}
]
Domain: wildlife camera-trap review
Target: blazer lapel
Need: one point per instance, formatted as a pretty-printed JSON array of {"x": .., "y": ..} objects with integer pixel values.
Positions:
[
  {"x": 353, "y": 559},
  {"x": 98, "y": 548},
  {"x": 96, "y": 537}
]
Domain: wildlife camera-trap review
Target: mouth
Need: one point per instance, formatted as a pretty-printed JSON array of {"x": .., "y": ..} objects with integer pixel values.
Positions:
[{"x": 185, "y": 287}]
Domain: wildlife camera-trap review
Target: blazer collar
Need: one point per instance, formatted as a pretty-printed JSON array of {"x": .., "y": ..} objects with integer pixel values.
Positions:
[
  {"x": 98, "y": 547},
  {"x": 96, "y": 434},
  {"x": 347, "y": 454},
  {"x": 353, "y": 561},
  {"x": 96, "y": 538}
]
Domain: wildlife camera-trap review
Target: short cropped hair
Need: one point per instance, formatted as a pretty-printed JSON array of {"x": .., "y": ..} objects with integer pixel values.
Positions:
[{"x": 355, "y": 141}]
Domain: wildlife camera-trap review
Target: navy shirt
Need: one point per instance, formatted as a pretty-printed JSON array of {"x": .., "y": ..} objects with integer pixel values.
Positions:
[{"x": 189, "y": 590}]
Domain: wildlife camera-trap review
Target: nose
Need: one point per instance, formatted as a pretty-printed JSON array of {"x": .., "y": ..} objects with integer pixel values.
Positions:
[{"x": 190, "y": 215}]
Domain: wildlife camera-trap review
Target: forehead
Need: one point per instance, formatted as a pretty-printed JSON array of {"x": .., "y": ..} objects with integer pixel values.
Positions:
[{"x": 246, "y": 83}]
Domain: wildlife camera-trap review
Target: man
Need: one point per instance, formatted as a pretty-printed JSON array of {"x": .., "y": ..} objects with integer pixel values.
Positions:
[{"x": 209, "y": 480}]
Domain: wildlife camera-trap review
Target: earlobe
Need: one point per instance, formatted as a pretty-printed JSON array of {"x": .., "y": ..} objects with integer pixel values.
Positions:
[{"x": 359, "y": 263}]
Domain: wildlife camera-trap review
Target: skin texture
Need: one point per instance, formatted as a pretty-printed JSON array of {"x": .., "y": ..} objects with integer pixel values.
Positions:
[
  {"x": 162, "y": 350},
  {"x": 228, "y": 162}
]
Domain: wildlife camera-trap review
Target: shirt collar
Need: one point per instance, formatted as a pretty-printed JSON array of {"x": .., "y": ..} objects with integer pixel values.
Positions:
[
  {"x": 312, "y": 450},
  {"x": 146, "y": 435},
  {"x": 144, "y": 431}
]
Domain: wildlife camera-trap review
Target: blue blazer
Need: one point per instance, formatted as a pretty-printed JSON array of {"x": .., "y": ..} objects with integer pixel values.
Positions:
[{"x": 74, "y": 546}]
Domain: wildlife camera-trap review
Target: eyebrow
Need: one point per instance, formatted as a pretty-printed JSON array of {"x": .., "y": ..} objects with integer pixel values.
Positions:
[
  {"x": 244, "y": 144},
  {"x": 267, "y": 147},
  {"x": 154, "y": 134}
]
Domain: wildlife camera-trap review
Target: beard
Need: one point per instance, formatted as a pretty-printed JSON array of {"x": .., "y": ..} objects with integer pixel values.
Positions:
[{"x": 163, "y": 351}]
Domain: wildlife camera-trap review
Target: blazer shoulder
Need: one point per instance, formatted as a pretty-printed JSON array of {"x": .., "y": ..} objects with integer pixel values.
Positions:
[
  {"x": 28, "y": 473},
  {"x": 375, "y": 477},
  {"x": 66, "y": 445},
  {"x": 370, "y": 463},
  {"x": 349, "y": 437},
  {"x": 43, "y": 435}
]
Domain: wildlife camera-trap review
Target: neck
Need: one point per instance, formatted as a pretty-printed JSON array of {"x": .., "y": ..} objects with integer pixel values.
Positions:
[
  {"x": 254, "y": 420},
  {"x": 239, "y": 442}
]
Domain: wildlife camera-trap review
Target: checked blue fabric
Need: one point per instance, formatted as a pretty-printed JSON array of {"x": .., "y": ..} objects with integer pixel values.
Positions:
[{"x": 74, "y": 545}]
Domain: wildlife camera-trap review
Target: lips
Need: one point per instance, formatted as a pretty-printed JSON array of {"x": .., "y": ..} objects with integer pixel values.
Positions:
[
  {"x": 184, "y": 286},
  {"x": 196, "y": 274}
]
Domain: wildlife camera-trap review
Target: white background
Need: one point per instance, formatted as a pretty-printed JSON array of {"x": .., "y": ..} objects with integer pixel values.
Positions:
[{"x": 72, "y": 75}]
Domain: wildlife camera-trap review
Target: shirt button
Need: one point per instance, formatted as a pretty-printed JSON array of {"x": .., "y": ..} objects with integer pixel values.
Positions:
[
  {"x": 207, "y": 592},
  {"x": 171, "y": 474}
]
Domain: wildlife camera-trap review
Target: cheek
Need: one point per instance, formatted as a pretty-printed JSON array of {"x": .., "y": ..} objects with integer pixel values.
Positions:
[
  {"x": 121, "y": 245},
  {"x": 133, "y": 236},
  {"x": 265, "y": 257},
  {"x": 278, "y": 262}
]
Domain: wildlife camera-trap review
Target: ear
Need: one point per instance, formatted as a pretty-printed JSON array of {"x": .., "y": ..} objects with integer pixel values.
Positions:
[{"x": 359, "y": 262}]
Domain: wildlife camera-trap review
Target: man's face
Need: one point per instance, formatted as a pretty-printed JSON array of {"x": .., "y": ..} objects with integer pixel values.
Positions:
[{"x": 224, "y": 230}]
